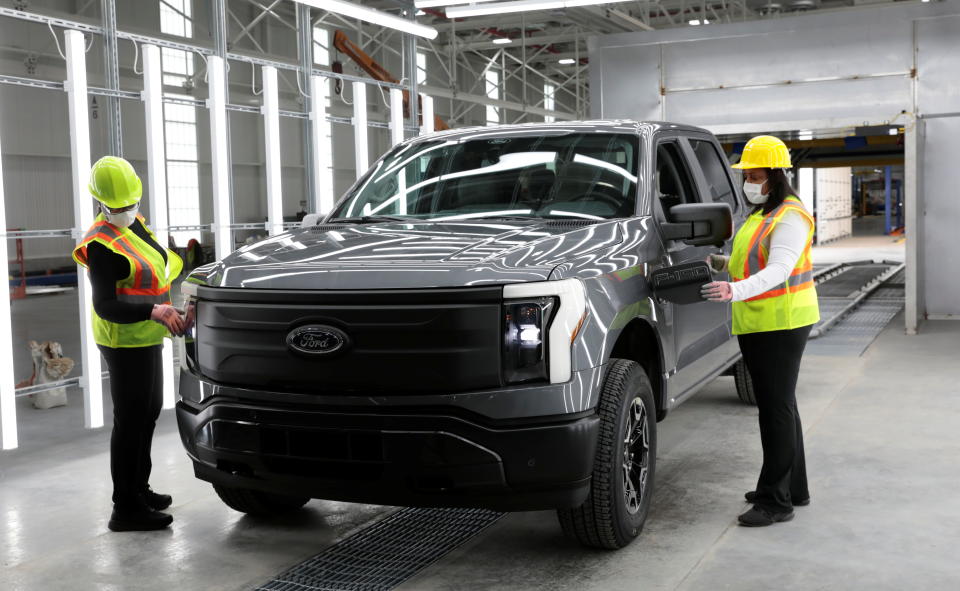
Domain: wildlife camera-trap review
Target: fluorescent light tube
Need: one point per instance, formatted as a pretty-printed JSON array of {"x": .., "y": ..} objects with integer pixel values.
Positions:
[
  {"x": 567, "y": 61},
  {"x": 442, "y": 3},
  {"x": 375, "y": 17},
  {"x": 502, "y": 41},
  {"x": 520, "y": 6}
]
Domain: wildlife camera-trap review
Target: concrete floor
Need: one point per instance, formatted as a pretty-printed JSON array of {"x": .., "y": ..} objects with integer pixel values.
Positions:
[{"x": 881, "y": 437}]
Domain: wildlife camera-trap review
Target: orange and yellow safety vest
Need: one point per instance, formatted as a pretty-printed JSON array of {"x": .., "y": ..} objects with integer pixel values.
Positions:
[
  {"x": 789, "y": 305},
  {"x": 148, "y": 283}
]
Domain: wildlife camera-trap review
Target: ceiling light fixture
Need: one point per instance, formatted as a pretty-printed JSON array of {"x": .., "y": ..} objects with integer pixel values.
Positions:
[
  {"x": 502, "y": 40},
  {"x": 519, "y": 6},
  {"x": 371, "y": 16},
  {"x": 567, "y": 61},
  {"x": 442, "y": 3}
]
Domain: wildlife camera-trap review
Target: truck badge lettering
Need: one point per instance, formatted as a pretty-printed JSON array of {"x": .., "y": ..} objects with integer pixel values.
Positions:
[{"x": 316, "y": 339}]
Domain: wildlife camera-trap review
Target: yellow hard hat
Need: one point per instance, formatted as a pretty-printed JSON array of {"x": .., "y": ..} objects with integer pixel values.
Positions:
[
  {"x": 765, "y": 151},
  {"x": 114, "y": 183}
]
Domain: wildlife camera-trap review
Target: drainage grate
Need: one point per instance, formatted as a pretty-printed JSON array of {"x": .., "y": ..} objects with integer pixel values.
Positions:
[
  {"x": 855, "y": 332},
  {"x": 850, "y": 280},
  {"x": 386, "y": 554}
]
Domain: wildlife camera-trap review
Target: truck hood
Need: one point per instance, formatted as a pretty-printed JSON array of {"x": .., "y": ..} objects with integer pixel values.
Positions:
[{"x": 398, "y": 255}]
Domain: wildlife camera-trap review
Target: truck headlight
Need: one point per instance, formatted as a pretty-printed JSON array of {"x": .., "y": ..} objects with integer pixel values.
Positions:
[
  {"x": 524, "y": 339},
  {"x": 541, "y": 321}
]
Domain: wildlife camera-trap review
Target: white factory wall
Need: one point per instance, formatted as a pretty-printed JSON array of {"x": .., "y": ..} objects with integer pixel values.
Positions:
[{"x": 848, "y": 67}]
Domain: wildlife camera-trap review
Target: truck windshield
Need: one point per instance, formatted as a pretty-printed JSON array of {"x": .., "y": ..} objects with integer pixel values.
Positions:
[{"x": 578, "y": 175}]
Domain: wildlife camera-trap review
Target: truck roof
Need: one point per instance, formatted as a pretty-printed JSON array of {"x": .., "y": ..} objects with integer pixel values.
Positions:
[{"x": 522, "y": 129}]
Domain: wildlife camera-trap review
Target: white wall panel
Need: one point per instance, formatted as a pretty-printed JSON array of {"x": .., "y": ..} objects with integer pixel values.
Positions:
[
  {"x": 941, "y": 216},
  {"x": 861, "y": 100},
  {"x": 870, "y": 45},
  {"x": 938, "y": 47},
  {"x": 629, "y": 80}
]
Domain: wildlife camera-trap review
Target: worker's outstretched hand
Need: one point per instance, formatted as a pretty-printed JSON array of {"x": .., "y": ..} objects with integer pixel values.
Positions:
[
  {"x": 168, "y": 316},
  {"x": 189, "y": 318},
  {"x": 717, "y": 291}
]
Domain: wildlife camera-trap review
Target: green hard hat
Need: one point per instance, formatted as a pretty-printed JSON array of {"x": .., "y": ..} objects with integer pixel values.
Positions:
[{"x": 114, "y": 183}]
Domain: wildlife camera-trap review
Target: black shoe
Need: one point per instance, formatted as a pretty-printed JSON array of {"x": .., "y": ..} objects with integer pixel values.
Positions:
[
  {"x": 156, "y": 501},
  {"x": 752, "y": 498},
  {"x": 141, "y": 518},
  {"x": 758, "y": 517}
]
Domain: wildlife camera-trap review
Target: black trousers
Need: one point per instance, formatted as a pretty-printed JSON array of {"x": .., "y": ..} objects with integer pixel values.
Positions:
[
  {"x": 773, "y": 360},
  {"x": 136, "y": 386}
]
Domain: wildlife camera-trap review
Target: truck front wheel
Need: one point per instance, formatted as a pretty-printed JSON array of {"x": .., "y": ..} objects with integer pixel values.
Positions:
[
  {"x": 622, "y": 484},
  {"x": 259, "y": 503}
]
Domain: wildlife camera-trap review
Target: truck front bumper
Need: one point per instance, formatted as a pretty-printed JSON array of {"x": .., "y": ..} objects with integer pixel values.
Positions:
[{"x": 410, "y": 456}]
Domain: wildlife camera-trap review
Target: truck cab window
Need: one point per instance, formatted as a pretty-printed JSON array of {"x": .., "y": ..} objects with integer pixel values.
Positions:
[
  {"x": 673, "y": 183},
  {"x": 715, "y": 171}
]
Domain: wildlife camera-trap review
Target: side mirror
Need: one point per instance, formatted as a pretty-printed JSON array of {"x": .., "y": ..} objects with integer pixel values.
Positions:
[
  {"x": 681, "y": 284},
  {"x": 700, "y": 224}
]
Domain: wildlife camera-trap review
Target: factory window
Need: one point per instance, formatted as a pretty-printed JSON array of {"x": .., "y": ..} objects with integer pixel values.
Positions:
[
  {"x": 321, "y": 57},
  {"x": 180, "y": 123},
  {"x": 321, "y": 46},
  {"x": 421, "y": 68},
  {"x": 493, "y": 92},
  {"x": 549, "y": 101},
  {"x": 715, "y": 170}
]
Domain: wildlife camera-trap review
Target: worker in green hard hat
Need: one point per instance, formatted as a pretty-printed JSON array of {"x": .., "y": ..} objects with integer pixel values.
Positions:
[{"x": 130, "y": 273}]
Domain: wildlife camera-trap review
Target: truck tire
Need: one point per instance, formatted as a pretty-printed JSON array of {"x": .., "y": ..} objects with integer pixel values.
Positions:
[
  {"x": 744, "y": 382},
  {"x": 259, "y": 503},
  {"x": 622, "y": 484}
]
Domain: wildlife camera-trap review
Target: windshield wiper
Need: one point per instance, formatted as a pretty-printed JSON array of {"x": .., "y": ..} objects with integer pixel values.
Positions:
[{"x": 370, "y": 219}]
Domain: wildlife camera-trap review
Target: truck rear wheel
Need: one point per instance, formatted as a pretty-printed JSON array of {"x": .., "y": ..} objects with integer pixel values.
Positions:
[
  {"x": 259, "y": 503},
  {"x": 744, "y": 382},
  {"x": 622, "y": 484}
]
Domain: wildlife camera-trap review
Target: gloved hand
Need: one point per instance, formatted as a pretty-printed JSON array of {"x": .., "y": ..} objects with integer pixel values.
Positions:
[
  {"x": 189, "y": 318},
  {"x": 717, "y": 291},
  {"x": 168, "y": 316},
  {"x": 718, "y": 262}
]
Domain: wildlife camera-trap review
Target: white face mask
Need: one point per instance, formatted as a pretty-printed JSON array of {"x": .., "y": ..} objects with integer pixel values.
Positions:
[
  {"x": 122, "y": 220},
  {"x": 754, "y": 193}
]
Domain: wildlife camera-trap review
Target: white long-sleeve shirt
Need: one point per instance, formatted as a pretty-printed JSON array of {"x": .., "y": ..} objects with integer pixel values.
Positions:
[{"x": 787, "y": 241}]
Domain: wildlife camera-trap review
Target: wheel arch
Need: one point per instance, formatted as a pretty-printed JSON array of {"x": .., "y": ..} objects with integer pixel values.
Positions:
[{"x": 639, "y": 341}]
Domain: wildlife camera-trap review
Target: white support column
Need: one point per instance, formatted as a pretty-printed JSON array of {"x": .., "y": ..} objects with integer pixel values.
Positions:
[
  {"x": 271, "y": 140},
  {"x": 83, "y": 212},
  {"x": 915, "y": 309},
  {"x": 396, "y": 115},
  {"x": 219, "y": 156},
  {"x": 8, "y": 391},
  {"x": 157, "y": 183},
  {"x": 360, "y": 127},
  {"x": 323, "y": 196},
  {"x": 428, "y": 117}
]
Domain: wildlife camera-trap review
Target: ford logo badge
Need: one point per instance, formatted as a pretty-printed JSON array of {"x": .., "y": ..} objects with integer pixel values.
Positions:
[{"x": 316, "y": 339}]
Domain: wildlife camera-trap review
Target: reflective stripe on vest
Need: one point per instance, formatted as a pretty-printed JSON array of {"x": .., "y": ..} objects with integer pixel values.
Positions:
[
  {"x": 791, "y": 304},
  {"x": 148, "y": 282}
]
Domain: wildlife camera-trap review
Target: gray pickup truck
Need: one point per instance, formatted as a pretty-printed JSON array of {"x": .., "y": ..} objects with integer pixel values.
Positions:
[{"x": 490, "y": 317}]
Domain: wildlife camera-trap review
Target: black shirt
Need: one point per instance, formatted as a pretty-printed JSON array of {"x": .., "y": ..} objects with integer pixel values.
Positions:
[{"x": 106, "y": 268}]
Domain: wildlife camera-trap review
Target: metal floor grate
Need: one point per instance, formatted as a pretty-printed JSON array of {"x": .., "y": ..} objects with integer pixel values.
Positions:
[
  {"x": 850, "y": 280},
  {"x": 854, "y": 333},
  {"x": 384, "y": 555}
]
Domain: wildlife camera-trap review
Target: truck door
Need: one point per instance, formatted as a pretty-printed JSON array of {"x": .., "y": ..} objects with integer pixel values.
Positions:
[{"x": 701, "y": 330}]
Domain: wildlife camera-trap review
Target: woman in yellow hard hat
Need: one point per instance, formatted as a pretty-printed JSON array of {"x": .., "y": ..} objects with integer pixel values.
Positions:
[
  {"x": 774, "y": 308},
  {"x": 130, "y": 273}
]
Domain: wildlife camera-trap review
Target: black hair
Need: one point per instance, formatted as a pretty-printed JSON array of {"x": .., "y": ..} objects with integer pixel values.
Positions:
[{"x": 780, "y": 189}]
